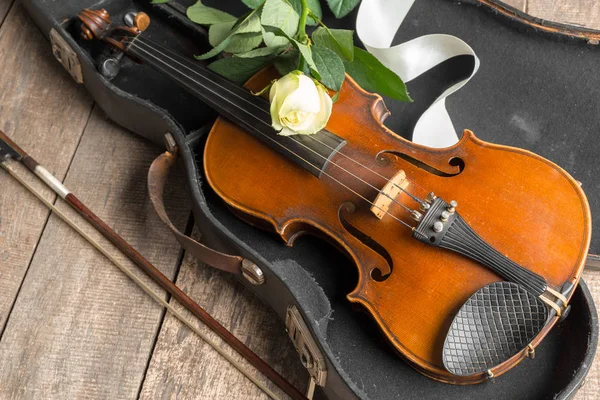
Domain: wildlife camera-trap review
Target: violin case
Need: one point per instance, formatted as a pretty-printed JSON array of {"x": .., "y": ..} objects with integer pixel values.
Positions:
[{"x": 537, "y": 88}]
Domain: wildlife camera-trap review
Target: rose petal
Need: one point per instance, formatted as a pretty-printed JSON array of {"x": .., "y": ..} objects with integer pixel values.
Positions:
[
  {"x": 304, "y": 98},
  {"x": 277, "y": 95},
  {"x": 298, "y": 105},
  {"x": 324, "y": 113},
  {"x": 287, "y": 132}
]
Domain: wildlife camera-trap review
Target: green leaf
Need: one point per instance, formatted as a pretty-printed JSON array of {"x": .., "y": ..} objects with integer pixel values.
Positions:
[
  {"x": 304, "y": 50},
  {"x": 287, "y": 62},
  {"x": 234, "y": 36},
  {"x": 373, "y": 76},
  {"x": 253, "y": 4},
  {"x": 341, "y": 41},
  {"x": 313, "y": 5},
  {"x": 272, "y": 40},
  {"x": 341, "y": 8},
  {"x": 203, "y": 15},
  {"x": 239, "y": 70},
  {"x": 330, "y": 67},
  {"x": 306, "y": 53},
  {"x": 215, "y": 50},
  {"x": 280, "y": 14},
  {"x": 218, "y": 32},
  {"x": 159, "y": 1},
  {"x": 249, "y": 23},
  {"x": 260, "y": 52},
  {"x": 243, "y": 42},
  {"x": 246, "y": 36}
]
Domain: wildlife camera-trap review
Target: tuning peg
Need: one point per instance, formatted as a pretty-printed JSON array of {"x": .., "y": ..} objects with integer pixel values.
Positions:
[
  {"x": 140, "y": 20},
  {"x": 110, "y": 67}
]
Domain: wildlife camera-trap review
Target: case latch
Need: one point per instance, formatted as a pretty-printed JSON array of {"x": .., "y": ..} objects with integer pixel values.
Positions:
[
  {"x": 66, "y": 56},
  {"x": 310, "y": 354}
]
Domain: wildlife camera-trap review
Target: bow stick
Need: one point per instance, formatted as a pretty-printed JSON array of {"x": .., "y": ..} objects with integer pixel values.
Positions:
[{"x": 10, "y": 150}]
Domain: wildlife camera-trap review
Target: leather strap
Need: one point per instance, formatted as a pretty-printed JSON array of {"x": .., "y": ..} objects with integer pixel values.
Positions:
[{"x": 157, "y": 176}]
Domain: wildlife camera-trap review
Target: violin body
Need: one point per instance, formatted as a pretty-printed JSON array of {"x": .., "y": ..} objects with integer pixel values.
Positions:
[{"x": 525, "y": 206}]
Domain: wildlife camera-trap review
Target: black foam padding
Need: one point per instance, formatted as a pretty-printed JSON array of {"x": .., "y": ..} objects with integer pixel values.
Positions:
[{"x": 496, "y": 323}]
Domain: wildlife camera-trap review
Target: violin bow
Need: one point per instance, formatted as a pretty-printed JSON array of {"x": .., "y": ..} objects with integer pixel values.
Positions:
[{"x": 9, "y": 150}]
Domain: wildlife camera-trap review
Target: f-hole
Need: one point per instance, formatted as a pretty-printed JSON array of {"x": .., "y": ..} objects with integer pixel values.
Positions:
[
  {"x": 457, "y": 162},
  {"x": 454, "y": 162},
  {"x": 368, "y": 241}
]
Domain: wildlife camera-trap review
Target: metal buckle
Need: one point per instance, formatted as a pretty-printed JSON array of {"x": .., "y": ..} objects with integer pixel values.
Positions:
[{"x": 252, "y": 273}]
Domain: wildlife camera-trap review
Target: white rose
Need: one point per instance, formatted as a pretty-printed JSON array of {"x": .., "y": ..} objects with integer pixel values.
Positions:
[{"x": 298, "y": 105}]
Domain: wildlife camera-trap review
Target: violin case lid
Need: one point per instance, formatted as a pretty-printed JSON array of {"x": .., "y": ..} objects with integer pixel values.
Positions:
[{"x": 536, "y": 89}]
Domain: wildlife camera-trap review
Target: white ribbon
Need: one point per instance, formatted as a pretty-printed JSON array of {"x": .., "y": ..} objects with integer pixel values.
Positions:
[{"x": 376, "y": 25}]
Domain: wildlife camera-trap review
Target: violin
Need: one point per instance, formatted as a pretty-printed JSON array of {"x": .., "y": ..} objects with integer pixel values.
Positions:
[{"x": 467, "y": 256}]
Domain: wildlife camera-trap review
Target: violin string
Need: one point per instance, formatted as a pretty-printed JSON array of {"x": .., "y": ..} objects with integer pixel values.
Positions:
[
  {"x": 312, "y": 165},
  {"x": 412, "y": 196},
  {"x": 312, "y": 137},
  {"x": 415, "y": 198},
  {"x": 317, "y": 153},
  {"x": 133, "y": 43}
]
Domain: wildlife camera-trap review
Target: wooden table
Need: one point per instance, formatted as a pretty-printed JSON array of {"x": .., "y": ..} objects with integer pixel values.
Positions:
[{"x": 71, "y": 325}]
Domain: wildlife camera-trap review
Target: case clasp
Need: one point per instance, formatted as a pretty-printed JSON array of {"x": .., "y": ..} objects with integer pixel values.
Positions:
[
  {"x": 66, "y": 56},
  {"x": 310, "y": 354}
]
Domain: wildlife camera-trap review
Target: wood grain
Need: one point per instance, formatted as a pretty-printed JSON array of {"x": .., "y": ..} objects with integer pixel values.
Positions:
[
  {"x": 584, "y": 13},
  {"x": 575, "y": 12},
  {"x": 98, "y": 354},
  {"x": 49, "y": 130},
  {"x": 184, "y": 367},
  {"x": 80, "y": 328}
]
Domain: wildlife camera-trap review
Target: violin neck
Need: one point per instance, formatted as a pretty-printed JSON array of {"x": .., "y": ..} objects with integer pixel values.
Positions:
[{"x": 238, "y": 105}]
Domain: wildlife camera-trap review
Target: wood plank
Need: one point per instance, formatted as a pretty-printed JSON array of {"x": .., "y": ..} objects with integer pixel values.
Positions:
[
  {"x": 79, "y": 328},
  {"x": 518, "y": 4},
  {"x": 185, "y": 367},
  {"x": 45, "y": 111},
  {"x": 575, "y": 12}
]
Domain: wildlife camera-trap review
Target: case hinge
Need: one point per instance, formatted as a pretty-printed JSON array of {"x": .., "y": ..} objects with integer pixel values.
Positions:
[
  {"x": 66, "y": 56},
  {"x": 310, "y": 354}
]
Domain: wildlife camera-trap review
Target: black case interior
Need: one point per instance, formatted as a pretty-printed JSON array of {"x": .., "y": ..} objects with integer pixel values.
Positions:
[{"x": 533, "y": 90}]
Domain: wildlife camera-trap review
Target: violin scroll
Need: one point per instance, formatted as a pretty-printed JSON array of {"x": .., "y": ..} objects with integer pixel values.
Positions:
[{"x": 96, "y": 24}]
